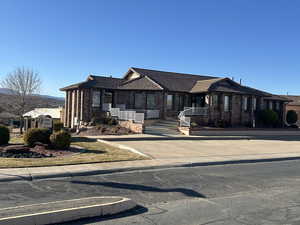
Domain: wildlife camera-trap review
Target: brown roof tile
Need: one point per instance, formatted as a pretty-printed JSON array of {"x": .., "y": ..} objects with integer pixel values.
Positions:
[
  {"x": 96, "y": 82},
  {"x": 141, "y": 83},
  {"x": 171, "y": 81}
]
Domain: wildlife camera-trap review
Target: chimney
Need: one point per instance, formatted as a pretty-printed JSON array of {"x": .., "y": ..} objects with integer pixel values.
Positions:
[
  {"x": 241, "y": 81},
  {"x": 232, "y": 78}
]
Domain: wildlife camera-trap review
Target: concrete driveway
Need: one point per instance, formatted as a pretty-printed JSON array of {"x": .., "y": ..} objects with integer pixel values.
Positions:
[{"x": 191, "y": 147}]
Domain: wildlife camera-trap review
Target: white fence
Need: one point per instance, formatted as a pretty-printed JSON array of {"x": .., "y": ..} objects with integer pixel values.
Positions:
[
  {"x": 185, "y": 115},
  {"x": 152, "y": 114},
  {"x": 130, "y": 114},
  {"x": 123, "y": 114}
]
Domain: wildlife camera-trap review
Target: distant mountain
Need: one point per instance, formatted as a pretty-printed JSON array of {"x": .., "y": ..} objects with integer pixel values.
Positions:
[
  {"x": 8, "y": 92},
  {"x": 8, "y": 102},
  {"x": 4, "y": 91},
  {"x": 52, "y": 97}
]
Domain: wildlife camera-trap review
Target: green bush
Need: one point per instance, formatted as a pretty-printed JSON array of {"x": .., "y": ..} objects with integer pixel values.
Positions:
[
  {"x": 4, "y": 135},
  {"x": 60, "y": 140},
  {"x": 268, "y": 118},
  {"x": 57, "y": 126},
  {"x": 110, "y": 121},
  {"x": 291, "y": 117},
  {"x": 37, "y": 135}
]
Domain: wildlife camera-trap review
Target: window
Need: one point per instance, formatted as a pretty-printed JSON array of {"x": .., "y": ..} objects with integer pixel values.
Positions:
[
  {"x": 271, "y": 105},
  {"x": 170, "y": 102},
  {"x": 265, "y": 104},
  {"x": 226, "y": 103},
  {"x": 181, "y": 102},
  {"x": 96, "y": 98},
  {"x": 245, "y": 103},
  {"x": 139, "y": 101},
  {"x": 215, "y": 100},
  {"x": 277, "y": 106},
  {"x": 108, "y": 96},
  {"x": 151, "y": 101},
  {"x": 254, "y": 105}
]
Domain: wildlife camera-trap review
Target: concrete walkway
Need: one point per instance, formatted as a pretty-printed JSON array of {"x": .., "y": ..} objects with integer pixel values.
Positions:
[
  {"x": 188, "y": 148},
  {"x": 172, "y": 151},
  {"x": 162, "y": 128}
]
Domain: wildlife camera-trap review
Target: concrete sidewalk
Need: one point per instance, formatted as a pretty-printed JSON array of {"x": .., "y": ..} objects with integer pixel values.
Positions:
[{"x": 34, "y": 173}]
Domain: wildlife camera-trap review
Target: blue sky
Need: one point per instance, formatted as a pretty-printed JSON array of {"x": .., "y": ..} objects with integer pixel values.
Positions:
[{"x": 65, "y": 40}]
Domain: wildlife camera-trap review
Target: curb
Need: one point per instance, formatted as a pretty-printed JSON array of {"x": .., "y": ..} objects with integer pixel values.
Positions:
[
  {"x": 32, "y": 177},
  {"x": 68, "y": 214}
]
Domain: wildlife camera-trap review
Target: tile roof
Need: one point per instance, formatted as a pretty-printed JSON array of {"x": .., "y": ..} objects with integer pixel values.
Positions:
[
  {"x": 171, "y": 81},
  {"x": 97, "y": 82},
  {"x": 204, "y": 85}
]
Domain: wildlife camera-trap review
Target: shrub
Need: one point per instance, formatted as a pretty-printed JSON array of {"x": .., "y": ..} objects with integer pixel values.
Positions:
[
  {"x": 60, "y": 140},
  {"x": 57, "y": 126},
  {"x": 110, "y": 121},
  {"x": 268, "y": 118},
  {"x": 291, "y": 117},
  {"x": 37, "y": 135},
  {"x": 4, "y": 135}
]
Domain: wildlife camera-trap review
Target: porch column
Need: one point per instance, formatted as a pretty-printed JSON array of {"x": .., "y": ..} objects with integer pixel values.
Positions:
[
  {"x": 222, "y": 106},
  {"x": 81, "y": 104},
  {"x": 102, "y": 99},
  {"x": 66, "y": 110},
  {"x": 164, "y": 110},
  {"x": 241, "y": 110},
  {"x": 252, "y": 110},
  {"x": 115, "y": 99},
  {"x": 69, "y": 108},
  {"x": 73, "y": 108},
  {"x": 78, "y": 104},
  {"x": 284, "y": 104}
]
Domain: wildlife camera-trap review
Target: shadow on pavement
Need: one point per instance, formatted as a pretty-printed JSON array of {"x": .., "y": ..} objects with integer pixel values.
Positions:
[
  {"x": 133, "y": 212},
  {"x": 138, "y": 187}
]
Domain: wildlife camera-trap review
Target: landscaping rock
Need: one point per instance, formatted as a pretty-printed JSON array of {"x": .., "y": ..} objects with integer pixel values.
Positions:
[
  {"x": 16, "y": 149},
  {"x": 40, "y": 144}
]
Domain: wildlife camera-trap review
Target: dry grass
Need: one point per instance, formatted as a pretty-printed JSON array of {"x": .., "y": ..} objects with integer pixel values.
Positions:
[{"x": 94, "y": 152}]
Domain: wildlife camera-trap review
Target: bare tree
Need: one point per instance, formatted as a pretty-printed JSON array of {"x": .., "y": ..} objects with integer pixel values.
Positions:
[{"x": 22, "y": 83}]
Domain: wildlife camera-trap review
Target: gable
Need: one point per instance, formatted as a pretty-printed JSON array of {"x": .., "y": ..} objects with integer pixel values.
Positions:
[
  {"x": 141, "y": 83},
  {"x": 131, "y": 74}
]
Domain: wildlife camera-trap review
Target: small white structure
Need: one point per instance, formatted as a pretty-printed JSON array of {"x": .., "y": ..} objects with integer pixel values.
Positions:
[{"x": 54, "y": 113}]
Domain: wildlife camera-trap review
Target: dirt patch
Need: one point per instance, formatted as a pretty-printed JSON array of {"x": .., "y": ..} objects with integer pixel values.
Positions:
[{"x": 39, "y": 151}]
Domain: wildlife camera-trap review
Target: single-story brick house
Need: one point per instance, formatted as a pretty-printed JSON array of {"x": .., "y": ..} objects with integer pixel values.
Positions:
[{"x": 165, "y": 94}]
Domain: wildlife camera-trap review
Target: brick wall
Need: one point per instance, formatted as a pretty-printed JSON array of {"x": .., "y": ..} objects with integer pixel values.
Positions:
[{"x": 137, "y": 128}]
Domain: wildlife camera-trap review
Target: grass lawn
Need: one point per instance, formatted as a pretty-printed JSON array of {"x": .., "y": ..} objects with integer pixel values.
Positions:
[{"x": 94, "y": 152}]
